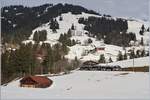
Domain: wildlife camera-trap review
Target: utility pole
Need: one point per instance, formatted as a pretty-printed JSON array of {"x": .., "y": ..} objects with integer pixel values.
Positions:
[{"x": 133, "y": 59}]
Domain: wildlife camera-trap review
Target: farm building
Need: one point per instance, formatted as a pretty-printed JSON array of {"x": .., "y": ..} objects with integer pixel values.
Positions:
[
  {"x": 88, "y": 65},
  {"x": 35, "y": 82},
  {"x": 99, "y": 46},
  {"x": 91, "y": 65}
]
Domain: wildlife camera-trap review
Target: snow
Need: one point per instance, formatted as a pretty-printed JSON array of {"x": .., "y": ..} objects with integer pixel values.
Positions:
[
  {"x": 64, "y": 25},
  {"x": 136, "y": 62},
  {"x": 82, "y": 50},
  {"x": 14, "y": 25},
  {"x": 135, "y": 26},
  {"x": 86, "y": 85},
  {"x": 9, "y": 21},
  {"x": 6, "y": 10},
  {"x": 18, "y": 14}
]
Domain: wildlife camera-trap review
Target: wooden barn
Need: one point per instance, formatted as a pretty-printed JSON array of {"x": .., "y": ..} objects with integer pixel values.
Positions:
[
  {"x": 94, "y": 66},
  {"x": 35, "y": 82},
  {"x": 88, "y": 65}
]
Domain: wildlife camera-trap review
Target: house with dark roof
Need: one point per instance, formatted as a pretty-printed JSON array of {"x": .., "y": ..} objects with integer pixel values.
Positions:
[{"x": 35, "y": 82}]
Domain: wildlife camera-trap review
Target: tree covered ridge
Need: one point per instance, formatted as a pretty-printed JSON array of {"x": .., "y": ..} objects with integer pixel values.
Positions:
[{"x": 19, "y": 21}]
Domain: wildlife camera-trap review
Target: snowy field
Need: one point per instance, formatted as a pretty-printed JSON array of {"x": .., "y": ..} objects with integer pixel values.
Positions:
[
  {"x": 137, "y": 62},
  {"x": 86, "y": 84}
]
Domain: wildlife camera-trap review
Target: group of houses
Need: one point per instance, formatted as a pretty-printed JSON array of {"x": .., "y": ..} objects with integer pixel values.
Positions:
[{"x": 94, "y": 66}]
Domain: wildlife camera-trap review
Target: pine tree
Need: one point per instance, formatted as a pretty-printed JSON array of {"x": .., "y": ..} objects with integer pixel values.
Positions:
[
  {"x": 61, "y": 37},
  {"x": 48, "y": 61},
  {"x": 125, "y": 56},
  {"x": 60, "y": 18},
  {"x": 148, "y": 30},
  {"x": 69, "y": 33},
  {"x": 143, "y": 53},
  {"x": 42, "y": 35},
  {"x": 56, "y": 52},
  {"x": 64, "y": 48},
  {"x": 73, "y": 42},
  {"x": 69, "y": 42},
  {"x": 36, "y": 36},
  {"x": 138, "y": 53},
  {"x": 141, "y": 32},
  {"x": 120, "y": 56},
  {"x": 132, "y": 54},
  {"x": 143, "y": 28},
  {"x": 89, "y": 41},
  {"x": 102, "y": 59},
  {"x": 142, "y": 43},
  {"x": 110, "y": 60},
  {"x": 54, "y": 25},
  {"x": 72, "y": 27}
]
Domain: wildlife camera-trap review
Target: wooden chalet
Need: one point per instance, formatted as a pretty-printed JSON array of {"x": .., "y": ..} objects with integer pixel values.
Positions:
[{"x": 35, "y": 82}]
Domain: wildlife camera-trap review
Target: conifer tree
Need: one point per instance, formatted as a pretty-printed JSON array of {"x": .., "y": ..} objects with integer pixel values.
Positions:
[
  {"x": 142, "y": 42},
  {"x": 36, "y": 36},
  {"x": 148, "y": 30},
  {"x": 102, "y": 59},
  {"x": 48, "y": 61},
  {"x": 110, "y": 60},
  {"x": 125, "y": 56},
  {"x": 138, "y": 53},
  {"x": 132, "y": 54},
  {"x": 143, "y": 53},
  {"x": 72, "y": 27},
  {"x": 120, "y": 56}
]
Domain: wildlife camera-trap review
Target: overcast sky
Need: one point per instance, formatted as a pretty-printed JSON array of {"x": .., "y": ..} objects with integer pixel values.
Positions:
[{"x": 121, "y": 8}]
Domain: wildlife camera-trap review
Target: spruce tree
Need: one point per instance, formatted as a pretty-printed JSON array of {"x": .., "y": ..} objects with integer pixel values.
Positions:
[
  {"x": 72, "y": 27},
  {"x": 143, "y": 53},
  {"x": 36, "y": 36},
  {"x": 48, "y": 61},
  {"x": 60, "y": 18},
  {"x": 64, "y": 49},
  {"x": 69, "y": 33},
  {"x": 73, "y": 42},
  {"x": 89, "y": 41},
  {"x": 138, "y": 53},
  {"x": 110, "y": 60},
  {"x": 132, "y": 54},
  {"x": 142, "y": 42},
  {"x": 102, "y": 59},
  {"x": 125, "y": 56},
  {"x": 120, "y": 56},
  {"x": 148, "y": 30}
]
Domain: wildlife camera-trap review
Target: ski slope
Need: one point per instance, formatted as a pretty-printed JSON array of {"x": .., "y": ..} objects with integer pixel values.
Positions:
[{"x": 86, "y": 85}]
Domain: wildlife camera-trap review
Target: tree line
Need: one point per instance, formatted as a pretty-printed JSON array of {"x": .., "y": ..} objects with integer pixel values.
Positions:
[
  {"x": 120, "y": 56},
  {"x": 31, "y": 59}
]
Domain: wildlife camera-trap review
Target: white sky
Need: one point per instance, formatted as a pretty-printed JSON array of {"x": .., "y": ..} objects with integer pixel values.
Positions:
[{"x": 121, "y": 8}]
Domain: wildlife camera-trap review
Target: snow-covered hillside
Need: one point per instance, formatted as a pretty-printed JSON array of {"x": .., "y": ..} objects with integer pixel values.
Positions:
[
  {"x": 85, "y": 84},
  {"x": 82, "y": 50},
  {"x": 134, "y": 26},
  {"x": 137, "y": 62}
]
